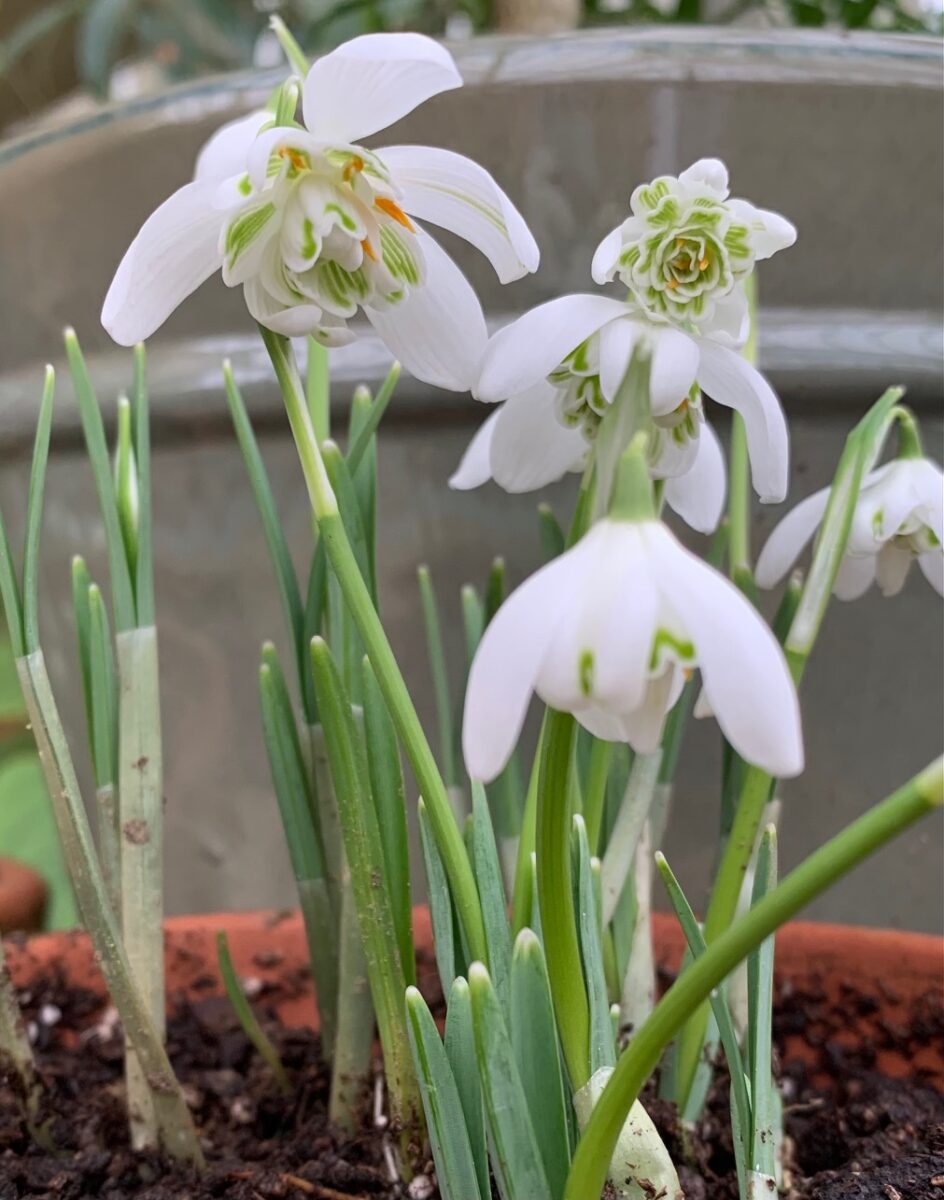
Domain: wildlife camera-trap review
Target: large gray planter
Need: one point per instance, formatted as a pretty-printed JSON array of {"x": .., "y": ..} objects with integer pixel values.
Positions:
[{"x": 842, "y": 133}]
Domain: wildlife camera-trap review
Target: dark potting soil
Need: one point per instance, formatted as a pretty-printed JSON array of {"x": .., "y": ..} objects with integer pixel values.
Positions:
[{"x": 851, "y": 1134}]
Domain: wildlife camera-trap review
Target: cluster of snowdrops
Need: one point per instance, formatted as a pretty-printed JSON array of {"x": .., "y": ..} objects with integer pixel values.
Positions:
[{"x": 540, "y": 874}]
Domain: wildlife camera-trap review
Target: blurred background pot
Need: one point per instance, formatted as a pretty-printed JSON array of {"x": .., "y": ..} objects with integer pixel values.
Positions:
[
  {"x": 841, "y": 132},
  {"x": 830, "y": 966}
]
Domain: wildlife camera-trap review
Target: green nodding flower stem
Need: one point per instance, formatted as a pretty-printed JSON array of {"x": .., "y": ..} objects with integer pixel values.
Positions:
[
  {"x": 886, "y": 820},
  {"x": 860, "y": 450},
  {"x": 357, "y": 596},
  {"x": 909, "y": 438}
]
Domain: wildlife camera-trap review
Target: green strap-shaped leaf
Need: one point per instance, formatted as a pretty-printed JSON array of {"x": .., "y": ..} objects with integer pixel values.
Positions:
[
  {"x": 488, "y": 876},
  {"x": 34, "y": 516},
  {"x": 534, "y": 1039},
  {"x": 515, "y": 1154},
  {"x": 441, "y": 911},
  {"x": 740, "y": 1097},
  {"x": 245, "y": 1015},
  {"x": 144, "y": 581},
  {"x": 602, "y": 1046},
  {"x": 289, "y": 776},
  {"x": 364, "y": 473},
  {"x": 282, "y": 566},
  {"x": 386, "y": 786},
  {"x": 123, "y": 600},
  {"x": 760, "y": 986},
  {"x": 456, "y": 1170},
  {"x": 440, "y": 675},
  {"x": 552, "y": 536},
  {"x": 460, "y": 1048}
]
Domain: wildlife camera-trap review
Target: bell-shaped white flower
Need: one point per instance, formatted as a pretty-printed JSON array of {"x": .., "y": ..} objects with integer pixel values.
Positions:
[
  {"x": 687, "y": 248},
  {"x": 560, "y": 365},
  {"x": 316, "y": 227},
  {"x": 899, "y": 517},
  {"x": 608, "y": 631}
]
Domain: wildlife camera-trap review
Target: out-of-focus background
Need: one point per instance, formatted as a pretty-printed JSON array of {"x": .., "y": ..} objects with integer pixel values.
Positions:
[{"x": 828, "y": 110}]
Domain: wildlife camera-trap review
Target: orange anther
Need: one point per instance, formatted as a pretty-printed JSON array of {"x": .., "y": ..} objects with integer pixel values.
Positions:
[
  {"x": 353, "y": 166},
  {"x": 392, "y": 209},
  {"x": 368, "y": 249}
]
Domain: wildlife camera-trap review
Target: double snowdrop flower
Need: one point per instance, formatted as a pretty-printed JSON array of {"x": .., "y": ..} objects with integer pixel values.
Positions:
[
  {"x": 609, "y": 630},
  {"x": 560, "y": 365},
  {"x": 899, "y": 517},
  {"x": 316, "y": 227},
  {"x": 687, "y": 249}
]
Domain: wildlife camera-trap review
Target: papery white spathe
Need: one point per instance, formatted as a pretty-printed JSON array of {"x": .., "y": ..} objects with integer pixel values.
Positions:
[
  {"x": 316, "y": 227},
  {"x": 688, "y": 248},
  {"x": 560, "y": 365},
  {"x": 899, "y": 517},
  {"x": 607, "y": 630}
]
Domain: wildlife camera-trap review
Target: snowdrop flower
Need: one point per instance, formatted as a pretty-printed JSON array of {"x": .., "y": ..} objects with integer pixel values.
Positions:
[
  {"x": 899, "y": 517},
  {"x": 316, "y": 227},
  {"x": 560, "y": 365},
  {"x": 687, "y": 249},
  {"x": 609, "y": 630}
]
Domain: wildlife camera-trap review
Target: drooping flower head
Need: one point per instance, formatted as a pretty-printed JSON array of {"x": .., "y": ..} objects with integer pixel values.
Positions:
[
  {"x": 317, "y": 228},
  {"x": 559, "y": 367},
  {"x": 899, "y": 517},
  {"x": 608, "y": 630},
  {"x": 687, "y": 249}
]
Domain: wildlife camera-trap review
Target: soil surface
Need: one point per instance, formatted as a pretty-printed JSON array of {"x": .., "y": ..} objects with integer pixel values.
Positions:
[{"x": 851, "y": 1134}]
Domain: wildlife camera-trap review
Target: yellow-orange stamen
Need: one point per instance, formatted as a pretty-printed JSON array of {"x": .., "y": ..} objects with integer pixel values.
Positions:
[
  {"x": 702, "y": 264},
  {"x": 368, "y": 249},
  {"x": 295, "y": 157},
  {"x": 353, "y": 166},
  {"x": 672, "y": 284},
  {"x": 392, "y": 209}
]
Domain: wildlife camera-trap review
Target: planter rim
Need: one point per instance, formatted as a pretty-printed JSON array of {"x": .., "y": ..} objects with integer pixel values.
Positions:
[{"x": 702, "y": 53}]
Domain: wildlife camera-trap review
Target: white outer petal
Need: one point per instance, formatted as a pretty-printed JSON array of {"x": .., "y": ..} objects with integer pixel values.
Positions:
[
  {"x": 438, "y": 332},
  {"x": 788, "y": 538},
  {"x": 176, "y": 249},
  {"x": 475, "y": 467},
  {"x": 698, "y": 495},
  {"x": 456, "y": 193},
  {"x": 506, "y": 665},
  {"x": 770, "y": 231},
  {"x": 530, "y": 447},
  {"x": 532, "y": 346},
  {"x": 371, "y": 81},
  {"x": 227, "y": 151},
  {"x": 612, "y": 618},
  {"x": 606, "y": 255},
  {"x": 709, "y": 172},
  {"x": 745, "y": 674},
  {"x": 729, "y": 379}
]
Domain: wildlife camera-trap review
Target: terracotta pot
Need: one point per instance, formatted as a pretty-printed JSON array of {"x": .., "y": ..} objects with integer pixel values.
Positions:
[
  {"x": 880, "y": 979},
  {"x": 22, "y": 897}
]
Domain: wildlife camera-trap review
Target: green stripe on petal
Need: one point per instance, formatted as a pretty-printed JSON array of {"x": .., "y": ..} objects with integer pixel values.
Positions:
[{"x": 244, "y": 230}]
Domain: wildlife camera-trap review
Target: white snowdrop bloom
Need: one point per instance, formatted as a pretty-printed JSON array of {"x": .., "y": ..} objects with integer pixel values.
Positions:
[
  {"x": 899, "y": 517},
  {"x": 315, "y": 227},
  {"x": 560, "y": 365},
  {"x": 687, "y": 249},
  {"x": 608, "y": 630}
]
